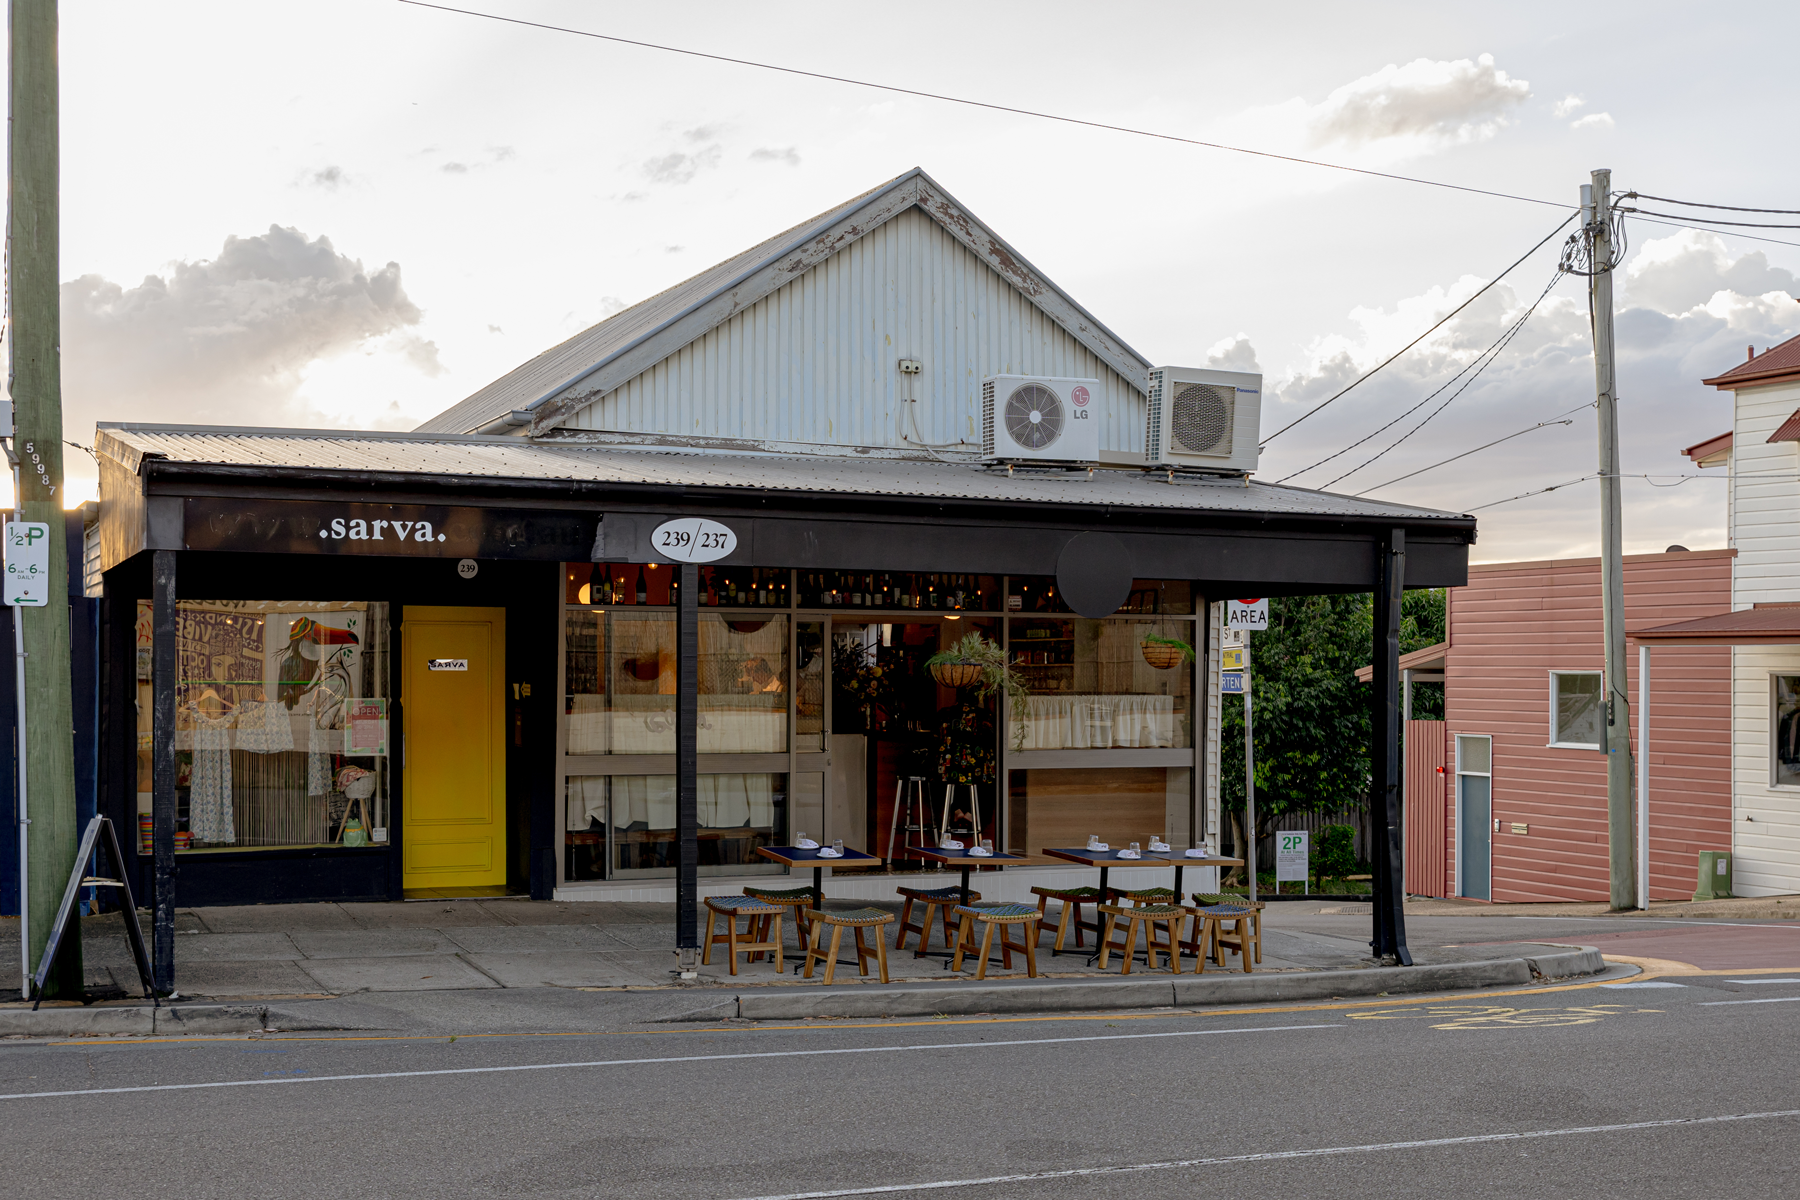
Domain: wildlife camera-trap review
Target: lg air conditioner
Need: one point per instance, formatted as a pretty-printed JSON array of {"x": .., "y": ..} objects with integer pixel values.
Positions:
[
  {"x": 1031, "y": 418},
  {"x": 1203, "y": 418}
]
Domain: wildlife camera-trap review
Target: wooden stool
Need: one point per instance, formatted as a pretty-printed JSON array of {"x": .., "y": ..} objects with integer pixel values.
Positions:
[
  {"x": 930, "y": 899},
  {"x": 992, "y": 915},
  {"x": 1071, "y": 899},
  {"x": 798, "y": 899},
  {"x": 1146, "y": 916},
  {"x": 751, "y": 909},
  {"x": 1212, "y": 914},
  {"x": 857, "y": 920},
  {"x": 1142, "y": 896}
]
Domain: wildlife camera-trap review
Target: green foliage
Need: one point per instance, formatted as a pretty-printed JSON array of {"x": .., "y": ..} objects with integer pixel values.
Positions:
[
  {"x": 1334, "y": 852},
  {"x": 997, "y": 675},
  {"x": 1422, "y": 624},
  {"x": 1187, "y": 651}
]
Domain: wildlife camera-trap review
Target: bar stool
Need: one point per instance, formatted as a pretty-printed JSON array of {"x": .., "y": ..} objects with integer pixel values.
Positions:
[
  {"x": 930, "y": 899},
  {"x": 1147, "y": 917},
  {"x": 797, "y": 899},
  {"x": 856, "y": 920},
  {"x": 991, "y": 915},
  {"x": 1142, "y": 896},
  {"x": 731, "y": 908},
  {"x": 1071, "y": 900},
  {"x": 1212, "y": 914}
]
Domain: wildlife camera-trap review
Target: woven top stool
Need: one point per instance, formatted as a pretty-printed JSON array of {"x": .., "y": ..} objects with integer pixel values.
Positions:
[
  {"x": 1151, "y": 895},
  {"x": 753, "y": 910},
  {"x": 856, "y": 920},
  {"x": 1071, "y": 900},
  {"x": 930, "y": 900},
  {"x": 797, "y": 900},
  {"x": 992, "y": 915},
  {"x": 1145, "y": 917},
  {"x": 1212, "y": 913}
]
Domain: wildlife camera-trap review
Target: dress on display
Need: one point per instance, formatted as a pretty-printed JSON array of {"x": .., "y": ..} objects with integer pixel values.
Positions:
[{"x": 209, "y": 796}]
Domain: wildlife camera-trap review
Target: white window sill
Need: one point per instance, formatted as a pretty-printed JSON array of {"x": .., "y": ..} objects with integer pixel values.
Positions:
[{"x": 1572, "y": 745}]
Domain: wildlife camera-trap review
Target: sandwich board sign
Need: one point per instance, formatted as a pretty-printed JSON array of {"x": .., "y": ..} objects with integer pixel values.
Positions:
[
  {"x": 1247, "y": 614},
  {"x": 1291, "y": 852}
]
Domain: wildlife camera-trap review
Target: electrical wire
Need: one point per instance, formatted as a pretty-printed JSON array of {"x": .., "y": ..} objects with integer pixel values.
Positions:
[
  {"x": 1478, "y": 364},
  {"x": 1396, "y": 354},
  {"x": 1748, "y": 237},
  {"x": 1708, "y": 220},
  {"x": 1539, "y": 492},
  {"x": 1023, "y": 112},
  {"x": 1562, "y": 419},
  {"x": 1788, "y": 212}
]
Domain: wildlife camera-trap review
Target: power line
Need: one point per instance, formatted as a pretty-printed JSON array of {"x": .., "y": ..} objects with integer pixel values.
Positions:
[
  {"x": 1396, "y": 354},
  {"x": 1539, "y": 492},
  {"x": 1748, "y": 237},
  {"x": 1023, "y": 112},
  {"x": 1789, "y": 212},
  {"x": 1708, "y": 220},
  {"x": 1487, "y": 446}
]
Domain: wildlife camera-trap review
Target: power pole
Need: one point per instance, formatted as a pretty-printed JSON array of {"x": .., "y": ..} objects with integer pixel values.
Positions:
[
  {"x": 35, "y": 377},
  {"x": 1596, "y": 204}
]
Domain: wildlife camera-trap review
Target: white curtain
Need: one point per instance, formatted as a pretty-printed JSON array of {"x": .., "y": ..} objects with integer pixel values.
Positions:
[{"x": 1100, "y": 722}]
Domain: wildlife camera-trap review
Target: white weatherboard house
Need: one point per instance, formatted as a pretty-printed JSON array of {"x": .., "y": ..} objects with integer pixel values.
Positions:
[
  {"x": 1762, "y": 455},
  {"x": 895, "y": 432}
]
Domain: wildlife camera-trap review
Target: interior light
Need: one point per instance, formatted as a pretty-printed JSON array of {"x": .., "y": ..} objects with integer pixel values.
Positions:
[
  {"x": 952, "y": 617},
  {"x": 581, "y": 597}
]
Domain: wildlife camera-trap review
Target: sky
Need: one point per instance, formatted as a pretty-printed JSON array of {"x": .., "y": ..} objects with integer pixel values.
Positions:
[{"x": 354, "y": 214}]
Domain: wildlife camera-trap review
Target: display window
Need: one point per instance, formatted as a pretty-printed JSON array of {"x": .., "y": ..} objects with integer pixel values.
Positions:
[
  {"x": 281, "y": 724},
  {"x": 1112, "y": 684}
]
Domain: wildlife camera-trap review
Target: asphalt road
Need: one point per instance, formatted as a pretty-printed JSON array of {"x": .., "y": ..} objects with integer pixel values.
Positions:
[{"x": 1683, "y": 1089}]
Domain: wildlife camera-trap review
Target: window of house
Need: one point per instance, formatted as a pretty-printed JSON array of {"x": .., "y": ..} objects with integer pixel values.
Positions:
[
  {"x": 1784, "y": 731},
  {"x": 1575, "y": 709}
]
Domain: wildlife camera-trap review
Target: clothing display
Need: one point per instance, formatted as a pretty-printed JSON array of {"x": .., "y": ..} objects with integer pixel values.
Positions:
[
  {"x": 264, "y": 727},
  {"x": 209, "y": 798}
]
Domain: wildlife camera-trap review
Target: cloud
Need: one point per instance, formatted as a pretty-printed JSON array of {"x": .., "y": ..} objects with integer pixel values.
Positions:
[
  {"x": 679, "y": 168},
  {"x": 1567, "y": 105},
  {"x": 788, "y": 155},
  {"x": 1233, "y": 354},
  {"x": 1688, "y": 268},
  {"x": 1593, "y": 121},
  {"x": 328, "y": 178},
  {"x": 454, "y": 168},
  {"x": 229, "y": 340},
  {"x": 1459, "y": 101}
]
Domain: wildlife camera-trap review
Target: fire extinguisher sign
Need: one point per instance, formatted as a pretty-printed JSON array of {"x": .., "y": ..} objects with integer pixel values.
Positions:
[
  {"x": 1247, "y": 614},
  {"x": 27, "y": 564}
]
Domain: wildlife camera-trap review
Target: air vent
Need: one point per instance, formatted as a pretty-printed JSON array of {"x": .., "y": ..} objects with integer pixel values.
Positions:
[
  {"x": 1201, "y": 421},
  {"x": 1034, "y": 416}
]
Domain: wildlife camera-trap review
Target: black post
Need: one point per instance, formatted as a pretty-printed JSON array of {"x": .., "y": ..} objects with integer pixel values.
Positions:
[
  {"x": 1384, "y": 759},
  {"x": 163, "y": 662},
  {"x": 687, "y": 760}
]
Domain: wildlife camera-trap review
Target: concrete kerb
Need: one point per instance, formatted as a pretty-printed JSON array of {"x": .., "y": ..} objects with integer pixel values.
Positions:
[
  {"x": 142, "y": 1021},
  {"x": 1032, "y": 996}
]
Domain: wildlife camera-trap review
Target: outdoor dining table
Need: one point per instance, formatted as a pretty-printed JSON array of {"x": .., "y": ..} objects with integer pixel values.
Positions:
[
  {"x": 1107, "y": 859},
  {"x": 967, "y": 862},
  {"x": 794, "y": 856}
]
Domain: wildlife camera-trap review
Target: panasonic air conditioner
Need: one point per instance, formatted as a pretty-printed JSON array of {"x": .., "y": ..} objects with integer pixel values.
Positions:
[
  {"x": 1203, "y": 418},
  {"x": 1031, "y": 418}
]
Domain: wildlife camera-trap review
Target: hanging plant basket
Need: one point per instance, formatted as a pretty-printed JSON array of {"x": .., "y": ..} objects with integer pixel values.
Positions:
[
  {"x": 956, "y": 674},
  {"x": 1165, "y": 653}
]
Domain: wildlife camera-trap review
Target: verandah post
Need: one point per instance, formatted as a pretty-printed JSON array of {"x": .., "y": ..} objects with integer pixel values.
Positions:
[
  {"x": 687, "y": 718},
  {"x": 1384, "y": 760},
  {"x": 163, "y": 664}
]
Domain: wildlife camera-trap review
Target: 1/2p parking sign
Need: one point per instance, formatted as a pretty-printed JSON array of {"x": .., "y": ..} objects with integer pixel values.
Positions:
[{"x": 27, "y": 564}]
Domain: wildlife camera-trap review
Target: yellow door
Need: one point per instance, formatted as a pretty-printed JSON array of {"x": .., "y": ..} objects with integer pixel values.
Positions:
[{"x": 453, "y": 700}]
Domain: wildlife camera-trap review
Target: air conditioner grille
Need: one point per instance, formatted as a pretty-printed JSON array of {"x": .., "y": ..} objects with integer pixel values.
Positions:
[
  {"x": 1201, "y": 418},
  {"x": 987, "y": 418},
  {"x": 1034, "y": 416}
]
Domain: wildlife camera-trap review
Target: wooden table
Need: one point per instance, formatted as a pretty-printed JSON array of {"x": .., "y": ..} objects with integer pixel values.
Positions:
[
  {"x": 1107, "y": 859},
  {"x": 794, "y": 856},
  {"x": 968, "y": 862}
]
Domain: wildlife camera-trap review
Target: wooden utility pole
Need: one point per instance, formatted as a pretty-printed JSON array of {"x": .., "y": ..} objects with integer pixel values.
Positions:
[
  {"x": 35, "y": 376},
  {"x": 1596, "y": 203}
]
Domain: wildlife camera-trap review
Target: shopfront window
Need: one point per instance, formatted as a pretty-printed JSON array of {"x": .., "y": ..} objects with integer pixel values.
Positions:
[
  {"x": 281, "y": 726},
  {"x": 620, "y": 683},
  {"x": 1785, "y": 728},
  {"x": 629, "y": 820},
  {"x": 1113, "y": 684}
]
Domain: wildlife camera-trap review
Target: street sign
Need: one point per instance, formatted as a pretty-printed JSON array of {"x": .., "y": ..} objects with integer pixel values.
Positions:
[
  {"x": 1234, "y": 658},
  {"x": 1231, "y": 683},
  {"x": 27, "y": 564},
  {"x": 1247, "y": 614},
  {"x": 1291, "y": 849}
]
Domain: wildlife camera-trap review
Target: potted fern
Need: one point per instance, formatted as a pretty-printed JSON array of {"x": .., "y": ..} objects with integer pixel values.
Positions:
[
  {"x": 976, "y": 662},
  {"x": 1165, "y": 652}
]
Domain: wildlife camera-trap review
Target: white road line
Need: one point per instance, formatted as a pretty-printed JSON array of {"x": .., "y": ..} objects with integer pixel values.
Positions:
[
  {"x": 1651, "y": 983},
  {"x": 1769, "y": 1000},
  {"x": 1278, "y": 1156},
  {"x": 684, "y": 1058},
  {"x": 1762, "y": 981}
]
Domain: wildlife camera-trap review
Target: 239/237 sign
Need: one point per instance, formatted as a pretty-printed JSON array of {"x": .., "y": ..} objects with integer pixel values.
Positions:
[{"x": 692, "y": 540}]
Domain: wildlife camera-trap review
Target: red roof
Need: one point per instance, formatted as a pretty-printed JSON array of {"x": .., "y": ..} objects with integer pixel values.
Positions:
[
  {"x": 1771, "y": 624},
  {"x": 1771, "y": 366},
  {"x": 1789, "y": 430},
  {"x": 1711, "y": 447}
]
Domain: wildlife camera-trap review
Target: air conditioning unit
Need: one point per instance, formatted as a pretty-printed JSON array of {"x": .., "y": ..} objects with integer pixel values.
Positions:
[
  {"x": 1032, "y": 418},
  {"x": 1203, "y": 418}
]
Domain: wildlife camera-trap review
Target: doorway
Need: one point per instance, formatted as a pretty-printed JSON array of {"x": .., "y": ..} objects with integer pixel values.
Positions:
[
  {"x": 1474, "y": 817},
  {"x": 452, "y": 695}
]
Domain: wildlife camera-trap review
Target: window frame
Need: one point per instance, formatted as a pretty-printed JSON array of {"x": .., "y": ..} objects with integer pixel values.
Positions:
[
  {"x": 1554, "y": 743},
  {"x": 1774, "y": 701}
]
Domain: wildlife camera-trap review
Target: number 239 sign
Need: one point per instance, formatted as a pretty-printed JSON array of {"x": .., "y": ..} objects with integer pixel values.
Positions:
[{"x": 693, "y": 540}]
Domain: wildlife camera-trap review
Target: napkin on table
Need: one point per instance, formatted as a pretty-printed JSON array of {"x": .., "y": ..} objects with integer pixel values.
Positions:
[
  {"x": 978, "y": 852},
  {"x": 950, "y": 844},
  {"x": 828, "y": 852},
  {"x": 1196, "y": 852},
  {"x": 806, "y": 844},
  {"x": 1129, "y": 854}
]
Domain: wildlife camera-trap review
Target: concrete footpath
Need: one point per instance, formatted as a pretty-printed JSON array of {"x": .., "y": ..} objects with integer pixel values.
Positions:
[{"x": 515, "y": 964}]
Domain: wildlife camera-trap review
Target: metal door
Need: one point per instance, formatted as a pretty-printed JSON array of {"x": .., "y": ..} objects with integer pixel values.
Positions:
[{"x": 1474, "y": 817}]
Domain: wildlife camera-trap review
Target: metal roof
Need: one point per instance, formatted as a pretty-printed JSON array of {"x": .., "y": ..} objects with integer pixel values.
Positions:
[
  {"x": 1770, "y": 624},
  {"x": 471, "y": 456},
  {"x": 532, "y": 384}
]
